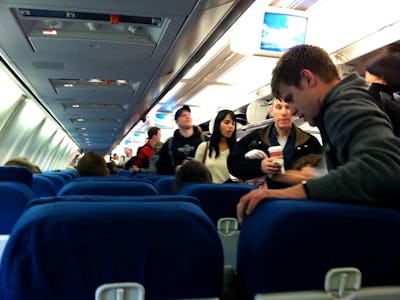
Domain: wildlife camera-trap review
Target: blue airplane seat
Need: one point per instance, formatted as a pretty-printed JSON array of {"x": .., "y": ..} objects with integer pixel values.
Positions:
[
  {"x": 165, "y": 184},
  {"x": 117, "y": 188},
  {"x": 13, "y": 198},
  {"x": 58, "y": 180},
  {"x": 65, "y": 250},
  {"x": 16, "y": 173},
  {"x": 112, "y": 198},
  {"x": 42, "y": 186},
  {"x": 217, "y": 200},
  {"x": 289, "y": 245}
]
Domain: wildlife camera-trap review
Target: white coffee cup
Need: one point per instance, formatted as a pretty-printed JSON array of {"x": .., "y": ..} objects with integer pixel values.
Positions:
[{"x": 276, "y": 152}]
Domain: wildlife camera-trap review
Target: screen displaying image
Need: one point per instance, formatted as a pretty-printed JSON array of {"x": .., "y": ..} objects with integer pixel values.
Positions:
[
  {"x": 166, "y": 121},
  {"x": 282, "y": 31}
]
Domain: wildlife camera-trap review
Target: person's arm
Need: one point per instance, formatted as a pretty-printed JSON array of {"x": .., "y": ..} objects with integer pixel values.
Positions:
[
  {"x": 293, "y": 177},
  {"x": 369, "y": 154},
  {"x": 249, "y": 202},
  {"x": 241, "y": 167}
]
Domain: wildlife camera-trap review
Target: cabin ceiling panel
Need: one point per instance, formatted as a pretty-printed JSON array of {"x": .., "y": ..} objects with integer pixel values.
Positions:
[{"x": 145, "y": 43}]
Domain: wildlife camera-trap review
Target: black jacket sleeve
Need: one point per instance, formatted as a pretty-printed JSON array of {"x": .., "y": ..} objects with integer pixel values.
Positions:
[{"x": 241, "y": 167}]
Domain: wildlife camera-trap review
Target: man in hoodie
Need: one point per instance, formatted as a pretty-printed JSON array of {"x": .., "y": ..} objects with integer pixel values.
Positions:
[
  {"x": 361, "y": 151},
  {"x": 182, "y": 146}
]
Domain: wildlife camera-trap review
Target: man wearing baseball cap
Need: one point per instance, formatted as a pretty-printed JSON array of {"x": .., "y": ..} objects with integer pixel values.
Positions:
[{"x": 182, "y": 146}]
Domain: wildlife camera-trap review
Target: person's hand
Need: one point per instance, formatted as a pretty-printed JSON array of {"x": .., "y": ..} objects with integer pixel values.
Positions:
[
  {"x": 250, "y": 201},
  {"x": 135, "y": 169},
  {"x": 268, "y": 166}
]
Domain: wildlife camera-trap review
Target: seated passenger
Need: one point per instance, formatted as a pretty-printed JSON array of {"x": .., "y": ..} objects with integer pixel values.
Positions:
[
  {"x": 112, "y": 167},
  {"x": 214, "y": 153},
  {"x": 191, "y": 171},
  {"x": 23, "y": 162},
  {"x": 92, "y": 164}
]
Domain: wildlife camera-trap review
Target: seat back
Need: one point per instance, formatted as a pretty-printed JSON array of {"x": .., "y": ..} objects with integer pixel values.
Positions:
[
  {"x": 113, "y": 198},
  {"x": 42, "y": 186},
  {"x": 57, "y": 179},
  {"x": 69, "y": 248},
  {"x": 165, "y": 185},
  {"x": 17, "y": 174},
  {"x": 289, "y": 245},
  {"x": 96, "y": 187},
  {"x": 13, "y": 198},
  {"x": 217, "y": 200}
]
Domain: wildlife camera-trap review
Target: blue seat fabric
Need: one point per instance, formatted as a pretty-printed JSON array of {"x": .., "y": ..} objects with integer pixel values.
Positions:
[
  {"x": 95, "y": 187},
  {"x": 289, "y": 245},
  {"x": 65, "y": 250},
  {"x": 13, "y": 198},
  {"x": 217, "y": 200}
]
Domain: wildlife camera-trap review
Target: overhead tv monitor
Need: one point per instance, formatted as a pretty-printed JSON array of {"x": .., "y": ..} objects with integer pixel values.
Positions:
[
  {"x": 281, "y": 31},
  {"x": 164, "y": 121},
  {"x": 268, "y": 31}
]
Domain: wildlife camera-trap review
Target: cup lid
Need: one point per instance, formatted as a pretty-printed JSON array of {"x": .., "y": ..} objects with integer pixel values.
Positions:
[{"x": 275, "y": 149}]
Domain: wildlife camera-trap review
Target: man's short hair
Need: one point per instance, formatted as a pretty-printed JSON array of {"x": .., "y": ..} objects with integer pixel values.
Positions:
[
  {"x": 152, "y": 132},
  {"x": 179, "y": 111}
]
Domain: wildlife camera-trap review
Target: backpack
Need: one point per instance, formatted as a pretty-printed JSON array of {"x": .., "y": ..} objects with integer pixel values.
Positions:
[{"x": 385, "y": 100}]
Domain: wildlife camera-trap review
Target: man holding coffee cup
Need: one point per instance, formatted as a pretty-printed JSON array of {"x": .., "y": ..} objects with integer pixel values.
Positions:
[{"x": 282, "y": 132}]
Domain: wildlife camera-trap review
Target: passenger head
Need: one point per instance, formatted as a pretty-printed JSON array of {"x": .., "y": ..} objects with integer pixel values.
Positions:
[
  {"x": 302, "y": 77},
  {"x": 92, "y": 164},
  {"x": 224, "y": 128},
  {"x": 192, "y": 171},
  {"x": 23, "y": 162},
  {"x": 128, "y": 151},
  {"x": 280, "y": 111},
  {"x": 154, "y": 134},
  {"x": 385, "y": 70},
  {"x": 112, "y": 167},
  {"x": 183, "y": 117},
  {"x": 310, "y": 160}
]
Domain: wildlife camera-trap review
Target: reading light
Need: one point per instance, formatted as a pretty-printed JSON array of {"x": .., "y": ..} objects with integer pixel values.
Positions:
[{"x": 49, "y": 32}]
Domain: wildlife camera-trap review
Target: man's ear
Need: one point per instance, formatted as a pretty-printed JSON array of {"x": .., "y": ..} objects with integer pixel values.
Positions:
[{"x": 308, "y": 76}]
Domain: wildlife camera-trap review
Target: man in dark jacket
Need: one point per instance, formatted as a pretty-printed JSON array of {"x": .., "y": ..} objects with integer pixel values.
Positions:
[
  {"x": 361, "y": 151},
  {"x": 295, "y": 142},
  {"x": 182, "y": 146}
]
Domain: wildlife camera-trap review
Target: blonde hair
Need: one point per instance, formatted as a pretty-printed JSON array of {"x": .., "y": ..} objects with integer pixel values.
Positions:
[{"x": 23, "y": 162}]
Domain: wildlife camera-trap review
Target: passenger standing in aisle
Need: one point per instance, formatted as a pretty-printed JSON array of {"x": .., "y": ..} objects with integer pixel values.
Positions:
[
  {"x": 383, "y": 78},
  {"x": 147, "y": 151},
  {"x": 296, "y": 143},
  {"x": 214, "y": 153},
  {"x": 182, "y": 146},
  {"x": 129, "y": 159},
  {"x": 361, "y": 151}
]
